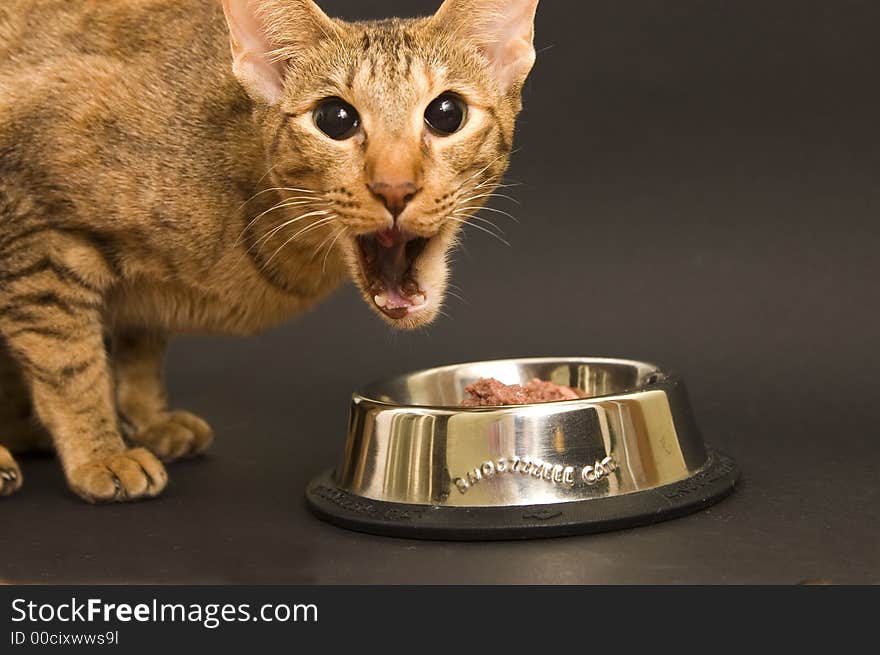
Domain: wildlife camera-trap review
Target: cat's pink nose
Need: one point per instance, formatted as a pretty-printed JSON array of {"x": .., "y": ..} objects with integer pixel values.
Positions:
[{"x": 396, "y": 196}]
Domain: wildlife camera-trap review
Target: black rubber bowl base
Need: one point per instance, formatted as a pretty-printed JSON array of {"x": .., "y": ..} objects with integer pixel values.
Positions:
[{"x": 715, "y": 481}]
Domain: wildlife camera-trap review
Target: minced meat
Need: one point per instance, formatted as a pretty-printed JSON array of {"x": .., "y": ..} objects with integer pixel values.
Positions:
[{"x": 489, "y": 392}]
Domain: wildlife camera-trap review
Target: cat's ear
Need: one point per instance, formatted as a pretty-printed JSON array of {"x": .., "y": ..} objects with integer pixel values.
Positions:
[
  {"x": 266, "y": 34},
  {"x": 502, "y": 30}
]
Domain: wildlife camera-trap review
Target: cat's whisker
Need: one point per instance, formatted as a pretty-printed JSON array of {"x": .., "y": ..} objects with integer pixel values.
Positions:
[
  {"x": 481, "y": 228},
  {"x": 491, "y": 195},
  {"x": 310, "y": 228},
  {"x": 486, "y": 221},
  {"x": 262, "y": 241},
  {"x": 321, "y": 246},
  {"x": 281, "y": 188},
  {"x": 485, "y": 168},
  {"x": 494, "y": 186},
  {"x": 302, "y": 232},
  {"x": 342, "y": 231},
  {"x": 266, "y": 174},
  {"x": 285, "y": 224},
  {"x": 498, "y": 182},
  {"x": 283, "y": 204},
  {"x": 489, "y": 181},
  {"x": 489, "y": 209},
  {"x": 291, "y": 202},
  {"x": 324, "y": 243},
  {"x": 296, "y": 200},
  {"x": 459, "y": 297}
]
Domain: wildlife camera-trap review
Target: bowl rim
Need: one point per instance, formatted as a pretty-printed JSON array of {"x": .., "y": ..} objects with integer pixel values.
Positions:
[{"x": 665, "y": 375}]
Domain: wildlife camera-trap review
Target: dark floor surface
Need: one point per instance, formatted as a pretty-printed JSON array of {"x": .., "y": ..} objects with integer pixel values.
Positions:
[{"x": 773, "y": 379}]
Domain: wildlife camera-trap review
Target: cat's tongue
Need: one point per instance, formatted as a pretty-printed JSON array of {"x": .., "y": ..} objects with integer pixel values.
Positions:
[{"x": 387, "y": 238}]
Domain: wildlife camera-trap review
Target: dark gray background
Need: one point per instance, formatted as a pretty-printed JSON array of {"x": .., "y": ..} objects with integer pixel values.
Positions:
[{"x": 699, "y": 189}]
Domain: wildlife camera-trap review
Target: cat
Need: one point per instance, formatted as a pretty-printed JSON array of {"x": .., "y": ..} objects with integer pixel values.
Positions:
[{"x": 196, "y": 166}]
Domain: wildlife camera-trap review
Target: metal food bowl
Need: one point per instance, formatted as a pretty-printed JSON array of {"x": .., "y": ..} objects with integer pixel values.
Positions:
[{"x": 417, "y": 464}]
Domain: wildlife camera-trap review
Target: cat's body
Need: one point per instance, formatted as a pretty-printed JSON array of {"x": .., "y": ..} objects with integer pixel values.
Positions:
[
  {"x": 147, "y": 190},
  {"x": 72, "y": 132}
]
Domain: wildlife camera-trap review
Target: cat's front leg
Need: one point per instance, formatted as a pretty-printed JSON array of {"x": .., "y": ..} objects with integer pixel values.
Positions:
[
  {"x": 10, "y": 474},
  {"x": 138, "y": 357},
  {"x": 51, "y": 296}
]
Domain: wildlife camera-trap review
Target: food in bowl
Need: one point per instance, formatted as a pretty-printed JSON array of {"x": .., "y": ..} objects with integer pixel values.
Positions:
[{"x": 489, "y": 392}]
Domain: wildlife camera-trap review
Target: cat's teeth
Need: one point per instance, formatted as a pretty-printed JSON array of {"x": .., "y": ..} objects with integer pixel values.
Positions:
[
  {"x": 410, "y": 288},
  {"x": 418, "y": 300},
  {"x": 381, "y": 300}
]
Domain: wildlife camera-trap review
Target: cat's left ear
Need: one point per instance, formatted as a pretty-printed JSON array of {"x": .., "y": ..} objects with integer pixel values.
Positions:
[
  {"x": 502, "y": 30},
  {"x": 265, "y": 35}
]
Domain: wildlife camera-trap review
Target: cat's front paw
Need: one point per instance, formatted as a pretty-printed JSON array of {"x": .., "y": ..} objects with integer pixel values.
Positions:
[
  {"x": 175, "y": 435},
  {"x": 130, "y": 475},
  {"x": 10, "y": 474}
]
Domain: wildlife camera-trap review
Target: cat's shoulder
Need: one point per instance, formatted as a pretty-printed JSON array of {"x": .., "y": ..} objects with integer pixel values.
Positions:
[{"x": 34, "y": 31}]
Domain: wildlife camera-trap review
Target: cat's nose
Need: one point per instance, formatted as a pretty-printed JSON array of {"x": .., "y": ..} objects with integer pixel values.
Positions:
[{"x": 395, "y": 196}]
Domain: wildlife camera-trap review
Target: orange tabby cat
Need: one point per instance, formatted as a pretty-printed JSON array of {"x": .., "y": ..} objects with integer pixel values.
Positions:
[{"x": 151, "y": 183}]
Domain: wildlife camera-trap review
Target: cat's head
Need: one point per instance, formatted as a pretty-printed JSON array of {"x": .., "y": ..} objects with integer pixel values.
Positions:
[{"x": 387, "y": 135}]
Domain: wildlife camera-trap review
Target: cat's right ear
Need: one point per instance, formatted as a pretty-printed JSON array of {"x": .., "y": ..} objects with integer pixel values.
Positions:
[{"x": 265, "y": 35}]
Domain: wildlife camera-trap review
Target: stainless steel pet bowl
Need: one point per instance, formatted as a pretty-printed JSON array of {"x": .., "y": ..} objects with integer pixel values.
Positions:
[{"x": 416, "y": 464}]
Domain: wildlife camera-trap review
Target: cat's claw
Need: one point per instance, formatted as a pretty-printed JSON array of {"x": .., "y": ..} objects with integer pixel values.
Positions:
[
  {"x": 10, "y": 475},
  {"x": 176, "y": 435},
  {"x": 131, "y": 475},
  {"x": 10, "y": 480}
]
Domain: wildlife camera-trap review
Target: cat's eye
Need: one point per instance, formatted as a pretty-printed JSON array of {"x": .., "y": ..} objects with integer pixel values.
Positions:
[
  {"x": 337, "y": 119},
  {"x": 446, "y": 114}
]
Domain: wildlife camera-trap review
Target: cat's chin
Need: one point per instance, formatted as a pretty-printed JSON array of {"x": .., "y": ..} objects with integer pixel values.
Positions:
[{"x": 397, "y": 274}]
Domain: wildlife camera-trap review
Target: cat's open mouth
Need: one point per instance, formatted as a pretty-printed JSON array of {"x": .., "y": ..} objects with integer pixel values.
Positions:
[{"x": 387, "y": 260}]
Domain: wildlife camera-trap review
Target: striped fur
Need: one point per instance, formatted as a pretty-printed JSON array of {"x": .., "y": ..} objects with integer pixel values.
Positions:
[{"x": 140, "y": 185}]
